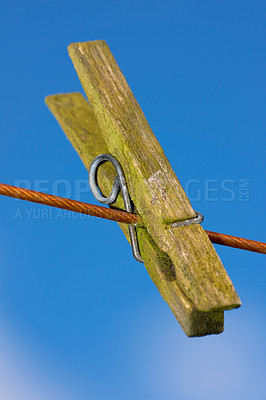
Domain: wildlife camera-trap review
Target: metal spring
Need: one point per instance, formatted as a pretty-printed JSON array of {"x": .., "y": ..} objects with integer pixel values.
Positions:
[{"x": 119, "y": 185}]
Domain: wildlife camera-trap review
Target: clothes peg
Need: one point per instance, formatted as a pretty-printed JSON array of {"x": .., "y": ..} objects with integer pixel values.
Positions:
[{"x": 180, "y": 259}]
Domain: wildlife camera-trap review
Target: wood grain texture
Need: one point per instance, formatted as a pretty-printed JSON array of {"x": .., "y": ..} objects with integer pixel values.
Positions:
[
  {"x": 153, "y": 185},
  {"x": 77, "y": 120}
]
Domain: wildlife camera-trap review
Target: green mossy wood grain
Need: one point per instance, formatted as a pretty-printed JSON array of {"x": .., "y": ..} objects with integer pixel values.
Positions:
[
  {"x": 153, "y": 185},
  {"x": 76, "y": 118}
]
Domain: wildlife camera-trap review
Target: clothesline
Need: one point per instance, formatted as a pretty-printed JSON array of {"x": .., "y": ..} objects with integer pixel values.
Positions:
[{"x": 118, "y": 215}]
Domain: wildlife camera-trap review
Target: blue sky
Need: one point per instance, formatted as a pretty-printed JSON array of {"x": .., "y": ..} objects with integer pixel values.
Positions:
[{"x": 79, "y": 318}]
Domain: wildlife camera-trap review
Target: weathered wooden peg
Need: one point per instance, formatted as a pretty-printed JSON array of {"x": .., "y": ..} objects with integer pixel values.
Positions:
[{"x": 181, "y": 261}]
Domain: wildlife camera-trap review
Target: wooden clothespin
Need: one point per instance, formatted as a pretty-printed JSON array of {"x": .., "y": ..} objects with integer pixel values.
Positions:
[{"x": 181, "y": 261}]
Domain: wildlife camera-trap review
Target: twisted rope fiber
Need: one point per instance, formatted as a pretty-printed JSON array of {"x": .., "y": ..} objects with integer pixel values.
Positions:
[
  {"x": 67, "y": 204},
  {"x": 237, "y": 242},
  {"x": 117, "y": 215}
]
